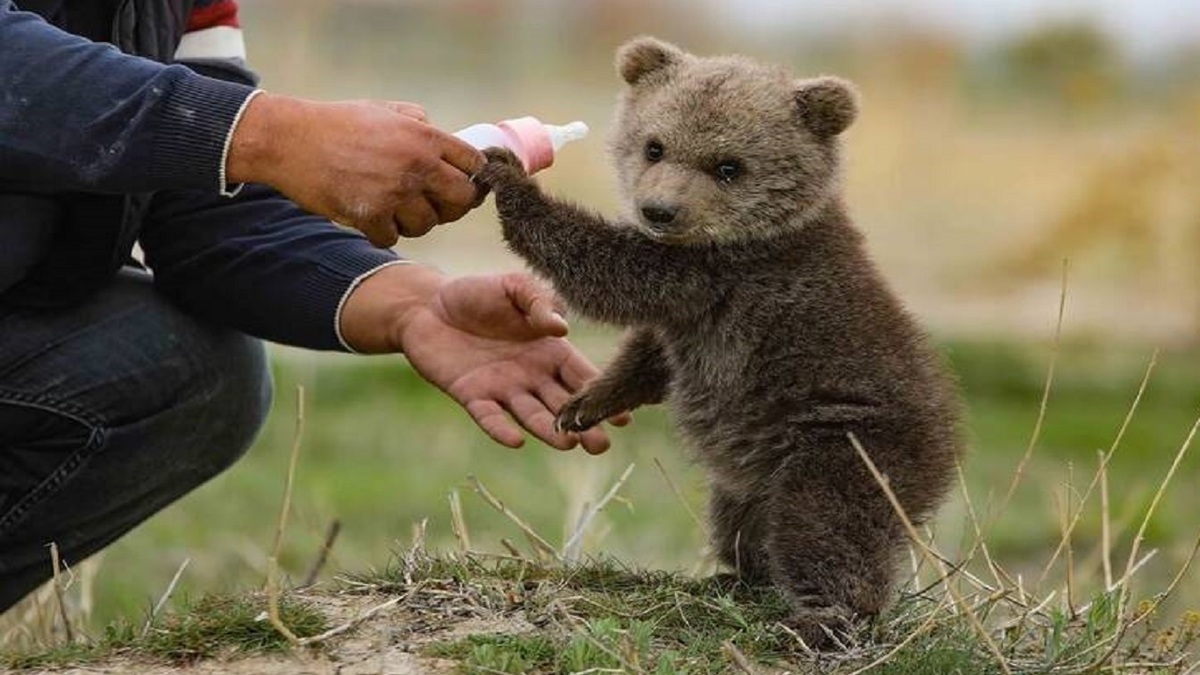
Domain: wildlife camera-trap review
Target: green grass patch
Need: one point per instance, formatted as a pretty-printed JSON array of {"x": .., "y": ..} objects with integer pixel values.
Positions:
[
  {"x": 227, "y": 623},
  {"x": 605, "y": 615},
  {"x": 219, "y": 624}
]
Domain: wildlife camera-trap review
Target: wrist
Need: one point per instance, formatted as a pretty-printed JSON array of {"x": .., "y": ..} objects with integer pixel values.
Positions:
[
  {"x": 378, "y": 312},
  {"x": 261, "y": 130}
]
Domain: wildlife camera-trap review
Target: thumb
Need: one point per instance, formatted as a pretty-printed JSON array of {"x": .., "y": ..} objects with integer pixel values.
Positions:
[{"x": 541, "y": 307}]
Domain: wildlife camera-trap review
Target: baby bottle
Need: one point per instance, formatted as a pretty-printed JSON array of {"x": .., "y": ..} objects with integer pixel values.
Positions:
[{"x": 533, "y": 142}]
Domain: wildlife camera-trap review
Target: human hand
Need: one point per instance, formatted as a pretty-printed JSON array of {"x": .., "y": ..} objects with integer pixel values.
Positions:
[
  {"x": 375, "y": 166},
  {"x": 492, "y": 343}
]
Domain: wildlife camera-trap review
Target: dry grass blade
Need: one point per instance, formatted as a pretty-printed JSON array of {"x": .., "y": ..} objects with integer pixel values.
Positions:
[
  {"x": 571, "y": 549},
  {"x": 1065, "y": 523},
  {"x": 162, "y": 600},
  {"x": 1102, "y": 469},
  {"x": 540, "y": 545},
  {"x": 512, "y": 549},
  {"x": 331, "y": 535},
  {"x": 934, "y": 558},
  {"x": 459, "y": 524},
  {"x": 1162, "y": 488},
  {"x": 1105, "y": 525},
  {"x": 739, "y": 659},
  {"x": 273, "y": 561},
  {"x": 59, "y": 592},
  {"x": 1041, "y": 417},
  {"x": 1124, "y": 578},
  {"x": 980, "y": 542},
  {"x": 679, "y": 495},
  {"x": 415, "y": 551}
]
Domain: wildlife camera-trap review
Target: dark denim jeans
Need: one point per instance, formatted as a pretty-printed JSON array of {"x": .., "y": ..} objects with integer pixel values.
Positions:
[{"x": 109, "y": 411}]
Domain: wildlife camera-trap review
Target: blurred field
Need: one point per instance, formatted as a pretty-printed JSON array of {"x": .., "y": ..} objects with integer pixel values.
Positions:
[{"x": 975, "y": 169}]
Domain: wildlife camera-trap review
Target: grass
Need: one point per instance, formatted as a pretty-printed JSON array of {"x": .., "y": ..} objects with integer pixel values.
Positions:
[
  {"x": 365, "y": 419},
  {"x": 226, "y": 625},
  {"x": 382, "y": 451},
  {"x": 602, "y": 614}
]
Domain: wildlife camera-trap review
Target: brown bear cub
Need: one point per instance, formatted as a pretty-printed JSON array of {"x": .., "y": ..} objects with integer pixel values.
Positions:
[{"x": 754, "y": 312}]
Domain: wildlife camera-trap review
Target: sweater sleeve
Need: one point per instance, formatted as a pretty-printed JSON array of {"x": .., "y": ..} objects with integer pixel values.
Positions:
[
  {"x": 258, "y": 263},
  {"x": 78, "y": 115}
]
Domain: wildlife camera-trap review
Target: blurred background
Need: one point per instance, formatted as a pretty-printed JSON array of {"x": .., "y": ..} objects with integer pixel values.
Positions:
[{"x": 996, "y": 141}]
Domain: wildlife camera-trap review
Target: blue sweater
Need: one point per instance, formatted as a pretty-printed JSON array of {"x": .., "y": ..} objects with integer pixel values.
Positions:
[{"x": 83, "y": 124}]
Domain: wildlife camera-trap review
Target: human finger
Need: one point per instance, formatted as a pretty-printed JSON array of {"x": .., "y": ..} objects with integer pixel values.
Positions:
[
  {"x": 539, "y": 304},
  {"x": 576, "y": 371},
  {"x": 621, "y": 419},
  {"x": 595, "y": 440},
  {"x": 533, "y": 414},
  {"x": 382, "y": 232},
  {"x": 412, "y": 110},
  {"x": 415, "y": 216},
  {"x": 452, "y": 193},
  {"x": 494, "y": 422},
  {"x": 461, "y": 155}
]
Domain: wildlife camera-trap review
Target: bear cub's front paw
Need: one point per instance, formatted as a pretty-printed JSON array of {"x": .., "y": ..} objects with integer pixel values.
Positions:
[
  {"x": 502, "y": 168},
  {"x": 581, "y": 413}
]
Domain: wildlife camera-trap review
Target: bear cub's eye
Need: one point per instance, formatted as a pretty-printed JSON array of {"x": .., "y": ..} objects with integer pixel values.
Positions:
[
  {"x": 654, "y": 151},
  {"x": 727, "y": 170}
]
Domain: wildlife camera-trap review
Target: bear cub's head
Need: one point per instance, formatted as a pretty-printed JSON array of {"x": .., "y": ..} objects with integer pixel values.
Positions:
[{"x": 721, "y": 149}]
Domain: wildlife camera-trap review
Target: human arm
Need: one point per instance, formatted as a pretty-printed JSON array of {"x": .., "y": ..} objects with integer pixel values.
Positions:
[
  {"x": 82, "y": 116},
  {"x": 79, "y": 115},
  {"x": 262, "y": 265}
]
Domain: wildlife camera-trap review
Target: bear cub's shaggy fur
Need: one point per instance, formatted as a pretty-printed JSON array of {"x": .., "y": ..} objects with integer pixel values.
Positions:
[{"x": 755, "y": 313}]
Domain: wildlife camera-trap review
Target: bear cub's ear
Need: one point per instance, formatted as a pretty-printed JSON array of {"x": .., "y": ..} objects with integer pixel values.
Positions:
[
  {"x": 644, "y": 55},
  {"x": 827, "y": 105}
]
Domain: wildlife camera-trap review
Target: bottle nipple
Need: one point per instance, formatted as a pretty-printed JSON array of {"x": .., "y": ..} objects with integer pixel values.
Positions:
[{"x": 561, "y": 134}]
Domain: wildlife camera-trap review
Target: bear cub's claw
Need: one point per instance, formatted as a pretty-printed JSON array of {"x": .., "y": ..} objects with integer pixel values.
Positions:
[{"x": 578, "y": 414}]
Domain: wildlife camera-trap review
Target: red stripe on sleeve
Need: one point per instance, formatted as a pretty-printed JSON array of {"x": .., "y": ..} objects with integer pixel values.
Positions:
[{"x": 212, "y": 14}]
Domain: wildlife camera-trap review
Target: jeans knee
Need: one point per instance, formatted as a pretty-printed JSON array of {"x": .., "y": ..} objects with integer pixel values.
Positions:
[{"x": 236, "y": 401}]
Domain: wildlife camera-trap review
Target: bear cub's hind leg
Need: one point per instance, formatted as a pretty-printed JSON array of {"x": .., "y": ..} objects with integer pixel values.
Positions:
[{"x": 831, "y": 551}]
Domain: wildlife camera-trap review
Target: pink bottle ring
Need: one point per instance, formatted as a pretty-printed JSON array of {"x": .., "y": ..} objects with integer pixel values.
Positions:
[{"x": 532, "y": 143}]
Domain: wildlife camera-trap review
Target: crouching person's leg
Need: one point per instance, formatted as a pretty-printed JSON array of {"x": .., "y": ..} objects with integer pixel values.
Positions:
[{"x": 109, "y": 412}]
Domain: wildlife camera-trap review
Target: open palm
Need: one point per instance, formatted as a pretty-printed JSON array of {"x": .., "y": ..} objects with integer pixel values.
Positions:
[{"x": 495, "y": 345}]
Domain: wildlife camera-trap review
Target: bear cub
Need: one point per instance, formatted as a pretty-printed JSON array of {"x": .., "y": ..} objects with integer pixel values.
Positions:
[{"x": 754, "y": 311}]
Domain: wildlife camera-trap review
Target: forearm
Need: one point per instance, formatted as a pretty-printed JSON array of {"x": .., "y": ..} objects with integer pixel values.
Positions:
[
  {"x": 260, "y": 264},
  {"x": 87, "y": 117}
]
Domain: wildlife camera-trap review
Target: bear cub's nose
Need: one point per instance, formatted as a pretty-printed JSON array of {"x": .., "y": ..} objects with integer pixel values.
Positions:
[{"x": 657, "y": 212}]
